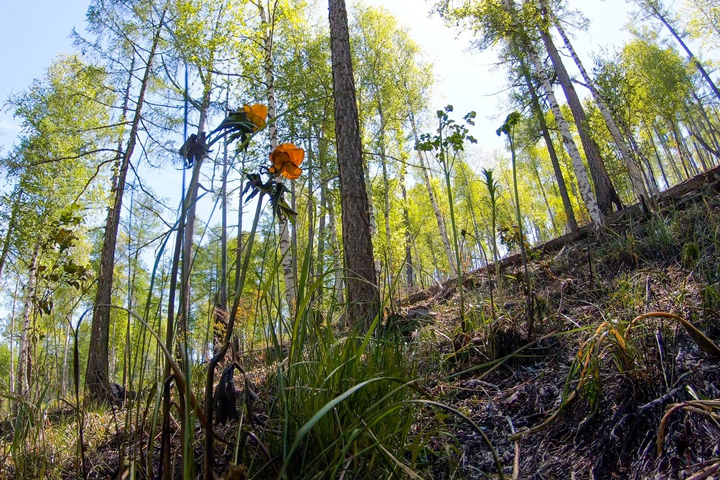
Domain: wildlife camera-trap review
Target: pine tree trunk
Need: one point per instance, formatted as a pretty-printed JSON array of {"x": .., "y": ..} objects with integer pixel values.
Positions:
[
  {"x": 581, "y": 174},
  {"x": 363, "y": 295},
  {"x": 96, "y": 376},
  {"x": 604, "y": 189},
  {"x": 633, "y": 170}
]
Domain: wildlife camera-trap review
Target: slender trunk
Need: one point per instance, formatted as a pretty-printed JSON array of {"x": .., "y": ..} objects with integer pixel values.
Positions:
[
  {"x": 634, "y": 173},
  {"x": 66, "y": 348},
  {"x": 604, "y": 189},
  {"x": 433, "y": 201},
  {"x": 386, "y": 188},
  {"x": 190, "y": 207},
  {"x": 567, "y": 205},
  {"x": 651, "y": 181},
  {"x": 311, "y": 207},
  {"x": 321, "y": 234},
  {"x": 11, "y": 380},
  {"x": 96, "y": 375},
  {"x": 707, "y": 124},
  {"x": 23, "y": 374},
  {"x": 586, "y": 191},
  {"x": 657, "y": 157},
  {"x": 692, "y": 58},
  {"x": 670, "y": 157},
  {"x": 681, "y": 152},
  {"x": 545, "y": 199},
  {"x": 695, "y": 129},
  {"x": 700, "y": 155},
  {"x": 224, "y": 212},
  {"x": 10, "y": 229},
  {"x": 287, "y": 258},
  {"x": 409, "y": 275},
  {"x": 238, "y": 250},
  {"x": 362, "y": 281}
]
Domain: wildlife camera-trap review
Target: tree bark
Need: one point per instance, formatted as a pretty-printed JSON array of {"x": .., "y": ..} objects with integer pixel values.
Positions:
[
  {"x": 586, "y": 191},
  {"x": 22, "y": 377},
  {"x": 633, "y": 170},
  {"x": 287, "y": 259},
  {"x": 96, "y": 375},
  {"x": 359, "y": 260},
  {"x": 604, "y": 189},
  {"x": 567, "y": 205}
]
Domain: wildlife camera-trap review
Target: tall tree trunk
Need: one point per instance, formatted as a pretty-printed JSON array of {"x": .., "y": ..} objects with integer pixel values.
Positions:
[
  {"x": 11, "y": 380},
  {"x": 433, "y": 201},
  {"x": 332, "y": 225},
  {"x": 321, "y": 232},
  {"x": 545, "y": 199},
  {"x": 687, "y": 166},
  {"x": 604, "y": 189},
  {"x": 581, "y": 174},
  {"x": 10, "y": 228},
  {"x": 287, "y": 258},
  {"x": 386, "y": 188},
  {"x": 634, "y": 173},
  {"x": 657, "y": 157},
  {"x": 707, "y": 124},
  {"x": 692, "y": 58},
  {"x": 670, "y": 157},
  {"x": 23, "y": 374},
  {"x": 567, "y": 205},
  {"x": 409, "y": 275},
  {"x": 96, "y": 374},
  {"x": 359, "y": 260}
]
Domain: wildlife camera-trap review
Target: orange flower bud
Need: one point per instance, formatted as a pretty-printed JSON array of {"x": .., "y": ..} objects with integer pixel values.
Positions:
[
  {"x": 286, "y": 160},
  {"x": 256, "y": 114}
]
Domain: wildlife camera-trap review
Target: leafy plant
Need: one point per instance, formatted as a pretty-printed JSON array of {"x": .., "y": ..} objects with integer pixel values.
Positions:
[{"x": 446, "y": 145}]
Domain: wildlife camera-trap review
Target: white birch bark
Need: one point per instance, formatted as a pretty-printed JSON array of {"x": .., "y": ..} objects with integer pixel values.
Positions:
[
  {"x": 285, "y": 250},
  {"x": 581, "y": 173},
  {"x": 636, "y": 178}
]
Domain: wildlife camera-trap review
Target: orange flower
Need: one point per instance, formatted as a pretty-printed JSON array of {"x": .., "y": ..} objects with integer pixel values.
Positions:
[
  {"x": 286, "y": 159},
  {"x": 256, "y": 114}
]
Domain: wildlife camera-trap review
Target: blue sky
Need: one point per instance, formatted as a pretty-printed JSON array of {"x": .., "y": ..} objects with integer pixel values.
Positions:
[{"x": 35, "y": 31}]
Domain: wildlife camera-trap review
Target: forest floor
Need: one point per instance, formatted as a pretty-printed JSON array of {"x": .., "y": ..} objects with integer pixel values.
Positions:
[
  {"x": 620, "y": 378},
  {"x": 592, "y": 398}
]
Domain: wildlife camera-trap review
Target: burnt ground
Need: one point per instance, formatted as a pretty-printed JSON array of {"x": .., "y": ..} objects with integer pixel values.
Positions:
[
  {"x": 588, "y": 400},
  {"x": 602, "y": 388}
]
